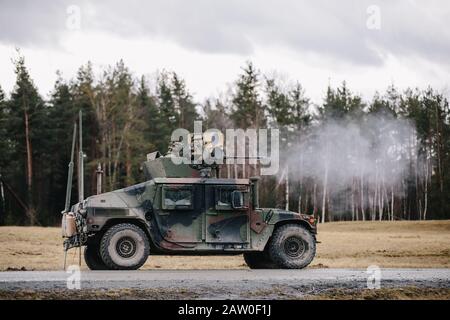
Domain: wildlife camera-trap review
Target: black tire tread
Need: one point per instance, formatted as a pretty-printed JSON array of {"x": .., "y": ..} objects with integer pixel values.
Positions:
[
  {"x": 92, "y": 258},
  {"x": 105, "y": 242},
  {"x": 259, "y": 260},
  {"x": 275, "y": 245}
]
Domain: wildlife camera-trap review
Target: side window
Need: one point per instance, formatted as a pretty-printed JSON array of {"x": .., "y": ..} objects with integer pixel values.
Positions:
[
  {"x": 175, "y": 197},
  {"x": 225, "y": 196},
  {"x": 239, "y": 199}
]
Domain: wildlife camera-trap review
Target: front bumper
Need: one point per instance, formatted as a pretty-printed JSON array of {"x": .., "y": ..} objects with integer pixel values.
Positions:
[{"x": 73, "y": 227}]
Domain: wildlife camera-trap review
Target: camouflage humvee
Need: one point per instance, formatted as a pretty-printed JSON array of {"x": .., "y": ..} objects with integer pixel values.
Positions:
[{"x": 180, "y": 210}]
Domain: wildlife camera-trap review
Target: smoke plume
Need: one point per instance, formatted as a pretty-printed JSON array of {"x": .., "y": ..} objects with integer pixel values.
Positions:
[{"x": 356, "y": 162}]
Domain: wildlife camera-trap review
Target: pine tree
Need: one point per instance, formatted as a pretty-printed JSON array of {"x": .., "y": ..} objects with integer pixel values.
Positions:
[
  {"x": 5, "y": 154},
  {"x": 93, "y": 102},
  {"x": 289, "y": 109},
  {"x": 380, "y": 105},
  {"x": 216, "y": 115},
  {"x": 26, "y": 120},
  {"x": 4, "y": 144},
  {"x": 62, "y": 114},
  {"x": 340, "y": 103},
  {"x": 132, "y": 125},
  {"x": 248, "y": 110},
  {"x": 147, "y": 103},
  {"x": 437, "y": 107},
  {"x": 301, "y": 116},
  {"x": 184, "y": 105},
  {"x": 278, "y": 106},
  {"x": 168, "y": 114}
]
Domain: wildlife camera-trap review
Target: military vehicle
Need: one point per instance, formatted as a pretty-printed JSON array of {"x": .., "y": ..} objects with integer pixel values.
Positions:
[{"x": 184, "y": 210}]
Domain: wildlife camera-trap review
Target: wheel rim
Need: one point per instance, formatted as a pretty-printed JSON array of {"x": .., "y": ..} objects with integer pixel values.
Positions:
[
  {"x": 294, "y": 247},
  {"x": 126, "y": 247}
]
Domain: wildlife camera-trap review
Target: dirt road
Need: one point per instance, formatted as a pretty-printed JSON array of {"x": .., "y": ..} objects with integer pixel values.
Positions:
[{"x": 218, "y": 284}]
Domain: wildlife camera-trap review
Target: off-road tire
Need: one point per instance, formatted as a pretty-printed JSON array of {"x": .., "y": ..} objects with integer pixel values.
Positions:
[
  {"x": 92, "y": 257},
  {"x": 259, "y": 260},
  {"x": 124, "y": 246},
  {"x": 292, "y": 246}
]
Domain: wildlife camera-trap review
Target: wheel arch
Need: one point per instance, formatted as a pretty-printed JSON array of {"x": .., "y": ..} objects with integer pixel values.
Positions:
[
  {"x": 299, "y": 222},
  {"x": 302, "y": 223}
]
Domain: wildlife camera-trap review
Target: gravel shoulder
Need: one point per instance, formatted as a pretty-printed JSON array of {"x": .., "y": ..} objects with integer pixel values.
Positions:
[{"x": 225, "y": 284}]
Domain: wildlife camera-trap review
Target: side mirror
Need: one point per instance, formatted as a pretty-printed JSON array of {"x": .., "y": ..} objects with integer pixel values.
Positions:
[{"x": 237, "y": 200}]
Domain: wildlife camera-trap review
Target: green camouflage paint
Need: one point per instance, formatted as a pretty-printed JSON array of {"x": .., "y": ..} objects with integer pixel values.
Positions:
[{"x": 183, "y": 213}]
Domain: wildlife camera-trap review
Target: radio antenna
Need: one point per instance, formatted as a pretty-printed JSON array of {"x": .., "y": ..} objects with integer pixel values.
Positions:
[
  {"x": 70, "y": 171},
  {"x": 81, "y": 160}
]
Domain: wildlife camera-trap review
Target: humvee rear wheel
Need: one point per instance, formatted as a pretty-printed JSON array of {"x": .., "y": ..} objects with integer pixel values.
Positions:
[
  {"x": 92, "y": 257},
  {"x": 292, "y": 247},
  {"x": 124, "y": 247},
  {"x": 259, "y": 260}
]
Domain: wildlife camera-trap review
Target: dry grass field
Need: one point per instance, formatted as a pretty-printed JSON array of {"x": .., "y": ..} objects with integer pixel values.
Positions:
[{"x": 421, "y": 244}]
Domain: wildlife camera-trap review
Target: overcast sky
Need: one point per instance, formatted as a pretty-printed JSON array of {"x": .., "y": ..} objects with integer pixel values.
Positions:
[{"x": 370, "y": 44}]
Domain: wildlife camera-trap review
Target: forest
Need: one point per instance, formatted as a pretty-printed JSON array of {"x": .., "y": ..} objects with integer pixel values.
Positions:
[{"x": 345, "y": 158}]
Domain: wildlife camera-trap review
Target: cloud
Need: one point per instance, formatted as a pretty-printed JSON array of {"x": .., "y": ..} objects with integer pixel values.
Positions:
[
  {"x": 30, "y": 22},
  {"x": 331, "y": 29}
]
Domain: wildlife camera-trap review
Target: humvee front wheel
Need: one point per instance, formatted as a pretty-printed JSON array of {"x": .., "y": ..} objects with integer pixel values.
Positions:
[
  {"x": 259, "y": 260},
  {"x": 292, "y": 247},
  {"x": 92, "y": 257},
  {"x": 124, "y": 246}
]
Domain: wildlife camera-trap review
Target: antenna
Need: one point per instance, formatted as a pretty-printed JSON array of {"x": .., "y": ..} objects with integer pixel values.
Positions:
[
  {"x": 70, "y": 171},
  {"x": 81, "y": 161}
]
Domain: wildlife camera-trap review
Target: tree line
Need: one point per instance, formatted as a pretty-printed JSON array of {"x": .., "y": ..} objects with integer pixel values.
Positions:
[{"x": 124, "y": 118}]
